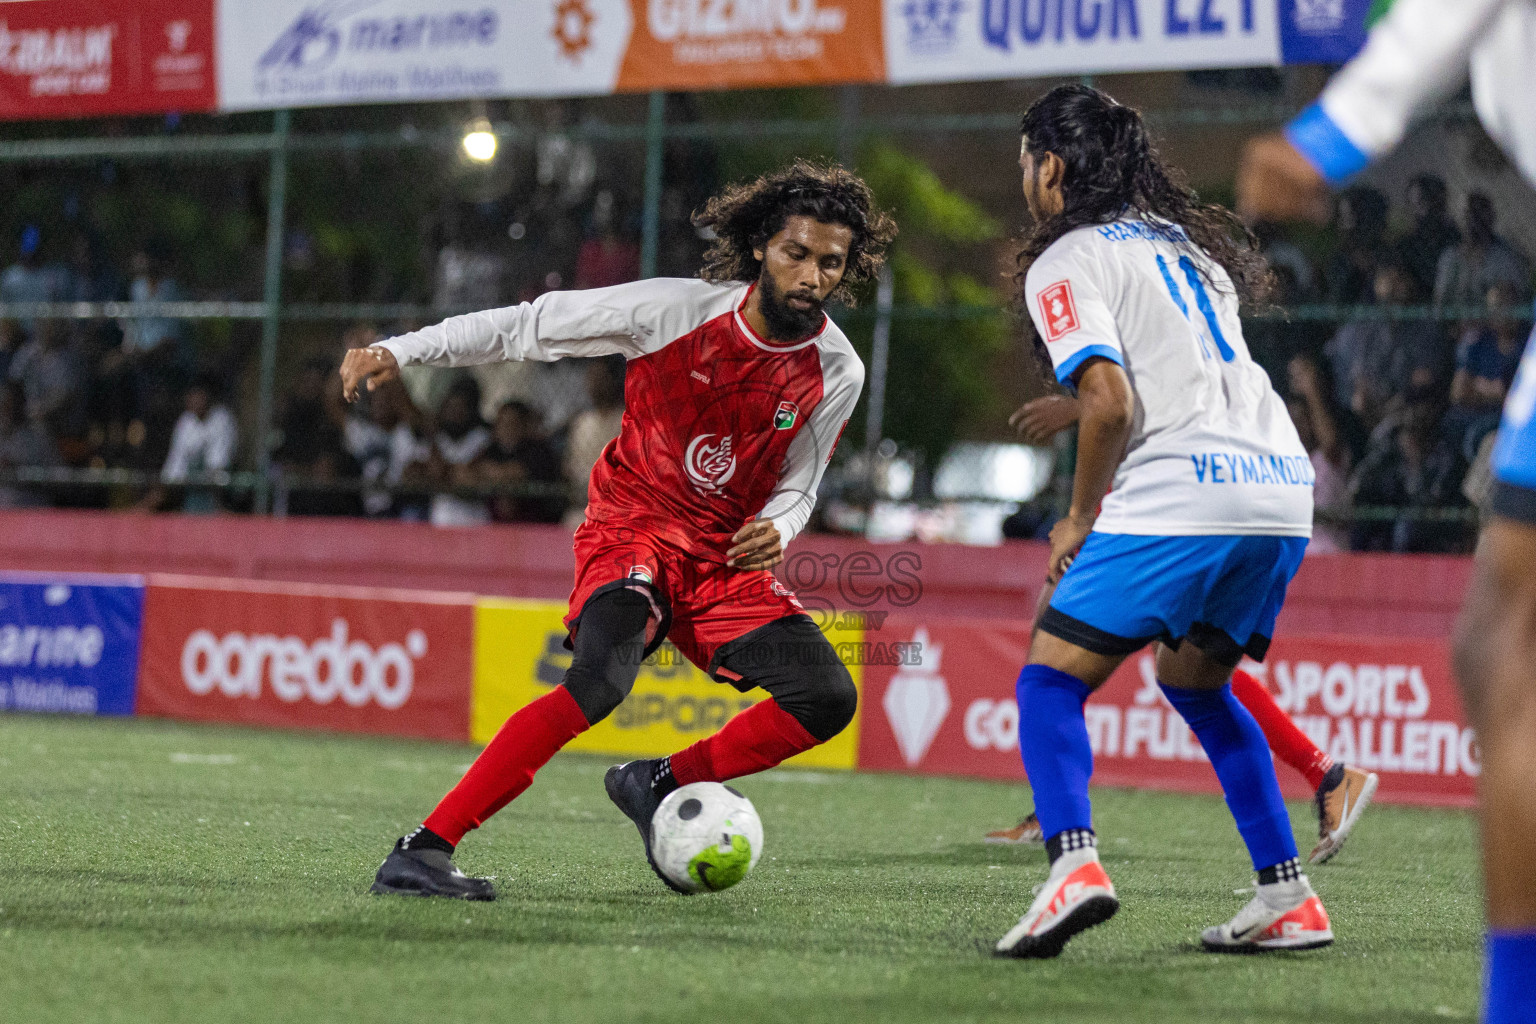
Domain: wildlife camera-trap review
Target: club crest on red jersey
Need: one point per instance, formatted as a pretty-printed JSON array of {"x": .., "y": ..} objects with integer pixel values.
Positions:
[
  {"x": 709, "y": 466},
  {"x": 1058, "y": 311},
  {"x": 786, "y": 415}
]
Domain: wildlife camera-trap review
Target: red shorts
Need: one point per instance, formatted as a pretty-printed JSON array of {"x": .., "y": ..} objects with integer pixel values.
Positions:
[{"x": 699, "y": 605}]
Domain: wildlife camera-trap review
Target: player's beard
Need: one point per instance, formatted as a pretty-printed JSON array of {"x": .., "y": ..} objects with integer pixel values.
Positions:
[{"x": 785, "y": 322}]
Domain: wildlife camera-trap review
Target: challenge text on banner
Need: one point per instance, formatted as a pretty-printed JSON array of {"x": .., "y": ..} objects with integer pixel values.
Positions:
[{"x": 1389, "y": 706}]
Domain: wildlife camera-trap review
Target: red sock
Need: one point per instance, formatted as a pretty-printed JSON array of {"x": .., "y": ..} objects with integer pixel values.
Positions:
[
  {"x": 1288, "y": 742},
  {"x": 760, "y": 737},
  {"x": 505, "y": 768}
]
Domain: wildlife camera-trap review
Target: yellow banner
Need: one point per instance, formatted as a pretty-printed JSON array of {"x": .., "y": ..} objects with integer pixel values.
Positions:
[{"x": 520, "y": 655}]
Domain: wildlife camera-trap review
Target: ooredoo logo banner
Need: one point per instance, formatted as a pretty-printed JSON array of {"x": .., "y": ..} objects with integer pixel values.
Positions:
[
  {"x": 1387, "y": 705},
  {"x": 306, "y": 657}
]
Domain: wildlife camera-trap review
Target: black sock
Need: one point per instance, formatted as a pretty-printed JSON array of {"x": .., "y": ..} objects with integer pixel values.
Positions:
[
  {"x": 425, "y": 839},
  {"x": 662, "y": 780},
  {"x": 1071, "y": 839},
  {"x": 1285, "y": 871}
]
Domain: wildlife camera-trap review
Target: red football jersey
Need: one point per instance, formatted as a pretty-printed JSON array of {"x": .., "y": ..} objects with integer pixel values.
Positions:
[{"x": 720, "y": 425}]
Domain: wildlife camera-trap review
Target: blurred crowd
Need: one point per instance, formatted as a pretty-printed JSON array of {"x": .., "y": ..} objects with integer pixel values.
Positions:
[
  {"x": 1397, "y": 407},
  {"x": 511, "y": 444},
  {"x": 1399, "y": 410}
]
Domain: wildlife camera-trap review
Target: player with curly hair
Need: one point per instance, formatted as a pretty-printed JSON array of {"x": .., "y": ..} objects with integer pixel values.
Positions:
[{"x": 737, "y": 389}]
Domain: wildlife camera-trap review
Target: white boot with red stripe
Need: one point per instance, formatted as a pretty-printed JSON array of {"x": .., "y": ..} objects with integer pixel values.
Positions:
[
  {"x": 1281, "y": 915},
  {"x": 1077, "y": 895}
]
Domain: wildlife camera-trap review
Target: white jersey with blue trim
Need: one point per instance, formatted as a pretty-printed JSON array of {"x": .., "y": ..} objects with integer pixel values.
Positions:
[
  {"x": 1212, "y": 448},
  {"x": 1422, "y": 51}
]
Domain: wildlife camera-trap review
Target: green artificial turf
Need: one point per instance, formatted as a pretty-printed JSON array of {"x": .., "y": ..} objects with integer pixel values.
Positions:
[{"x": 162, "y": 872}]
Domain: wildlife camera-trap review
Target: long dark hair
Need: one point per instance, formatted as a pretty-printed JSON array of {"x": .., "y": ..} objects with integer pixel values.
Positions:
[
  {"x": 1113, "y": 171},
  {"x": 745, "y": 216}
]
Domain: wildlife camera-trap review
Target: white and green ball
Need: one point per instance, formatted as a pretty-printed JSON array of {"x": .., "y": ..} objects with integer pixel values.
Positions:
[{"x": 706, "y": 837}]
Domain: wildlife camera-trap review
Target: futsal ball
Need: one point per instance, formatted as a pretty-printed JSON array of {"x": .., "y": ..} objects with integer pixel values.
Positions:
[{"x": 706, "y": 837}]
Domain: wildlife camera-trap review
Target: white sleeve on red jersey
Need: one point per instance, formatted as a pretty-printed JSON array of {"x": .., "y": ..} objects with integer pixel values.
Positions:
[
  {"x": 842, "y": 379},
  {"x": 629, "y": 319}
]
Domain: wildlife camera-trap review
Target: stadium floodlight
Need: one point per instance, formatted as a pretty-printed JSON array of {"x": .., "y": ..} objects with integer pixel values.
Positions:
[{"x": 480, "y": 142}]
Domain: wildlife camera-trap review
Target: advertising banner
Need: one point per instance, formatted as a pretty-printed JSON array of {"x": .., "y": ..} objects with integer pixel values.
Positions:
[
  {"x": 520, "y": 655},
  {"x": 80, "y": 58},
  {"x": 1386, "y": 705},
  {"x": 296, "y": 53},
  {"x": 69, "y": 643},
  {"x": 985, "y": 39},
  {"x": 306, "y": 657}
]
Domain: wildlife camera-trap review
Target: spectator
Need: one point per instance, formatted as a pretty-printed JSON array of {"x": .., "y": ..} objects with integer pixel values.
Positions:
[
  {"x": 310, "y": 426},
  {"x": 605, "y": 258},
  {"x": 28, "y": 279},
  {"x": 1486, "y": 362},
  {"x": 458, "y": 442},
  {"x": 138, "y": 378},
  {"x": 151, "y": 282},
  {"x": 1285, "y": 255},
  {"x": 381, "y": 436},
  {"x": 1480, "y": 261},
  {"x": 1377, "y": 362},
  {"x": 593, "y": 429},
  {"x": 1433, "y": 231},
  {"x": 53, "y": 380},
  {"x": 1321, "y": 428},
  {"x": 23, "y": 443},
  {"x": 11, "y": 340},
  {"x": 1360, "y": 218},
  {"x": 519, "y": 454},
  {"x": 202, "y": 442},
  {"x": 1406, "y": 469}
]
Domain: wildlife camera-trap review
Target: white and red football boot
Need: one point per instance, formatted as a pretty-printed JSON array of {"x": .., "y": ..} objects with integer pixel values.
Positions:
[
  {"x": 1077, "y": 895},
  {"x": 1282, "y": 915}
]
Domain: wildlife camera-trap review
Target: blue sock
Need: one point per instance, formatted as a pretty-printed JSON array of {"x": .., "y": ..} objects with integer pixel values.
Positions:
[
  {"x": 1238, "y": 752},
  {"x": 1509, "y": 983},
  {"x": 1053, "y": 739}
]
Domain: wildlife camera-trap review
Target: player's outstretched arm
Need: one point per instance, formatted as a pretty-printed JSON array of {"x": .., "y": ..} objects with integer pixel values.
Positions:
[
  {"x": 1107, "y": 405},
  {"x": 627, "y": 319},
  {"x": 1417, "y": 54}
]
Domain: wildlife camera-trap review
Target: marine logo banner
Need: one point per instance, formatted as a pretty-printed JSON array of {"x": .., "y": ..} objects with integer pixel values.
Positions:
[{"x": 69, "y": 643}]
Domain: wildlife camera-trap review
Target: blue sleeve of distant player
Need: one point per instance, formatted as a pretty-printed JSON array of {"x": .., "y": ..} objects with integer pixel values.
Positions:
[
  {"x": 1326, "y": 147},
  {"x": 1514, "y": 454}
]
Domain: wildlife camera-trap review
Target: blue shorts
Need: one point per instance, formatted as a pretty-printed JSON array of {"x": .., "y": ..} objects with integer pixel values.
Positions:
[
  {"x": 1514, "y": 454},
  {"x": 1222, "y": 594}
]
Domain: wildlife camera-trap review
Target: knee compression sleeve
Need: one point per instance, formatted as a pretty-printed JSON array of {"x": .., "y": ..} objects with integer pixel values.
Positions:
[
  {"x": 609, "y": 646},
  {"x": 793, "y": 661}
]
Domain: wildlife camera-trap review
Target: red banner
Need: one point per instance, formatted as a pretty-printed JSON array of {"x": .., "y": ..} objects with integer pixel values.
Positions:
[
  {"x": 296, "y": 656},
  {"x": 80, "y": 58},
  {"x": 1386, "y": 705}
]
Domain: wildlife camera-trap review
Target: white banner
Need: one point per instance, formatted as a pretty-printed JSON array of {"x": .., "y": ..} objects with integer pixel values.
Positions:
[
  {"x": 967, "y": 40},
  {"x": 298, "y": 53}
]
